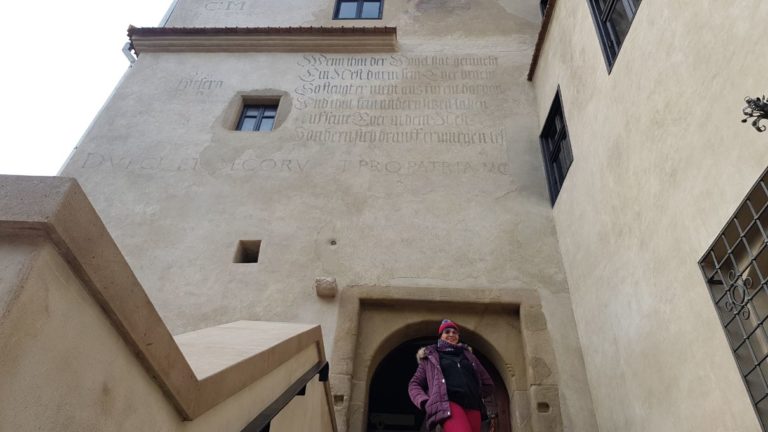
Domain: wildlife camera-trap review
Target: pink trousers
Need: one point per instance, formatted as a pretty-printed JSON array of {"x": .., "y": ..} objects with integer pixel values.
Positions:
[{"x": 462, "y": 420}]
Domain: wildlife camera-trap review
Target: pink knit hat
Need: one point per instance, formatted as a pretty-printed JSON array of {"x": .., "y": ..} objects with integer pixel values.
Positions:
[{"x": 447, "y": 324}]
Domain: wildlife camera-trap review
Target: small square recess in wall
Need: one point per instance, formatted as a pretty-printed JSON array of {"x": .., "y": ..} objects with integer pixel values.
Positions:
[{"x": 247, "y": 251}]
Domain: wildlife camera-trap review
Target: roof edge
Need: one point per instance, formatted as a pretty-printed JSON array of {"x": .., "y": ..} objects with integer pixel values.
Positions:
[{"x": 263, "y": 39}]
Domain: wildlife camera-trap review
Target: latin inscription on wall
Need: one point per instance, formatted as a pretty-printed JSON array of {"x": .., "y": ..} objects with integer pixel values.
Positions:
[
  {"x": 225, "y": 5},
  {"x": 434, "y": 105},
  {"x": 407, "y": 101},
  {"x": 398, "y": 99}
]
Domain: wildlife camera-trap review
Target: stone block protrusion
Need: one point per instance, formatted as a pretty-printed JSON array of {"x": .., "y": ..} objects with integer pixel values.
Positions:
[
  {"x": 546, "y": 409},
  {"x": 326, "y": 287}
]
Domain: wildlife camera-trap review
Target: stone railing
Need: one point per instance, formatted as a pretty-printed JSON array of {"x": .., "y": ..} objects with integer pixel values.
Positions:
[{"x": 83, "y": 348}]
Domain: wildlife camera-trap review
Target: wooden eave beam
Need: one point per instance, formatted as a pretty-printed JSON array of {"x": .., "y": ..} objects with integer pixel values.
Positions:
[{"x": 289, "y": 39}]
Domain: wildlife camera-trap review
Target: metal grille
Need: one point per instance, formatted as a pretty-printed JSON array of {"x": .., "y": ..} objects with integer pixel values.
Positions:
[{"x": 736, "y": 271}]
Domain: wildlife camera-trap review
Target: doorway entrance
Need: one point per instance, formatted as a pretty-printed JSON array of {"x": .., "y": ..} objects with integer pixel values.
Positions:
[{"x": 389, "y": 407}]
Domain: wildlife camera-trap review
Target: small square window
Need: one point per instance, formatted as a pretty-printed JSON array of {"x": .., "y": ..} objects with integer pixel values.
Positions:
[
  {"x": 358, "y": 9},
  {"x": 257, "y": 118},
  {"x": 556, "y": 148}
]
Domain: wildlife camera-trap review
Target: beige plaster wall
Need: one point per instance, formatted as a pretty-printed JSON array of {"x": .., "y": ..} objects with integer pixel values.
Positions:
[
  {"x": 660, "y": 163},
  {"x": 64, "y": 367},
  {"x": 305, "y": 413},
  {"x": 416, "y": 169}
]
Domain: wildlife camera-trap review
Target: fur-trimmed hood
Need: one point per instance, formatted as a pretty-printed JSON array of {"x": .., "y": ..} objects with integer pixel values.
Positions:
[{"x": 421, "y": 354}]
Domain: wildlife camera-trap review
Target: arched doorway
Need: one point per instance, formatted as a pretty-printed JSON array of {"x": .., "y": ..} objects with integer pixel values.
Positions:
[{"x": 389, "y": 407}]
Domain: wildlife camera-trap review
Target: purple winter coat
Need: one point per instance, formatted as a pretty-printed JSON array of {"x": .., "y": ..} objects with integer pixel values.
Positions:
[{"x": 428, "y": 391}]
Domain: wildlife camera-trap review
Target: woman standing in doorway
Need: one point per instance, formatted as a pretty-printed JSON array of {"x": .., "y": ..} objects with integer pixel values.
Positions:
[{"x": 451, "y": 385}]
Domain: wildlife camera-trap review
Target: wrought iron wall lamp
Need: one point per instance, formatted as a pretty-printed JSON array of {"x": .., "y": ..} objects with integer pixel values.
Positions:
[{"x": 757, "y": 108}]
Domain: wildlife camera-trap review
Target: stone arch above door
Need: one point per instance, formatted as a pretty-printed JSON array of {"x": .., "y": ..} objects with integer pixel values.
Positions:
[{"x": 508, "y": 326}]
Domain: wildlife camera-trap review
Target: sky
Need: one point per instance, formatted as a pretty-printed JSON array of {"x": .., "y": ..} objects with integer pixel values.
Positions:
[{"x": 60, "y": 62}]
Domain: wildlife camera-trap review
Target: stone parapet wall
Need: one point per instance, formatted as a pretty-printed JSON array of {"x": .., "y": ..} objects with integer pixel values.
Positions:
[{"x": 70, "y": 361}]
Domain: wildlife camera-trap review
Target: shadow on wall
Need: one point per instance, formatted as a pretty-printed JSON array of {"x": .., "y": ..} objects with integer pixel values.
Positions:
[{"x": 474, "y": 18}]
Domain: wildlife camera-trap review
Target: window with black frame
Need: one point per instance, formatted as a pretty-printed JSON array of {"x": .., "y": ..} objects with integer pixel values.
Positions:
[
  {"x": 556, "y": 148},
  {"x": 358, "y": 9},
  {"x": 613, "y": 19},
  {"x": 257, "y": 118},
  {"x": 736, "y": 271}
]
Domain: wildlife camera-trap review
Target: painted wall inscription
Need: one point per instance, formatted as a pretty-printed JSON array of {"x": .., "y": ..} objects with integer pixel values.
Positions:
[
  {"x": 100, "y": 160},
  {"x": 227, "y": 5},
  {"x": 399, "y": 99},
  {"x": 387, "y": 100},
  {"x": 296, "y": 166},
  {"x": 197, "y": 84}
]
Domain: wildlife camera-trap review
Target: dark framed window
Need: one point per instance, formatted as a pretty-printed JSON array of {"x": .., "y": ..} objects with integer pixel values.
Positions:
[
  {"x": 736, "y": 271},
  {"x": 358, "y": 9},
  {"x": 257, "y": 118},
  {"x": 613, "y": 19},
  {"x": 556, "y": 148}
]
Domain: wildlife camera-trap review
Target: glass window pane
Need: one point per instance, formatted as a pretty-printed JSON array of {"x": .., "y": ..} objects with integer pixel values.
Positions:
[
  {"x": 756, "y": 384},
  {"x": 562, "y": 160},
  {"x": 759, "y": 198},
  {"x": 762, "y": 410},
  {"x": 266, "y": 124},
  {"x": 760, "y": 302},
  {"x": 558, "y": 124},
  {"x": 549, "y": 146},
  {"x": 270, "y": 111},
  {"x": 249, "y": 124},
  {"x": 602, "y": 5},
  {"x": 252, "y": 111},
  {"x": 735, "y": 334},
  {"x": 619, "y": 22},
  {"x": 371, "y": 9},
  {"x": 347, "y": 9},
  {"x": 758, "y": 341},
  {"x": 755, "y": 242},
  {"x": 567, "y": 156},
  {"x": 558, "y": 174},
  {"x": 744, "y": 359}
]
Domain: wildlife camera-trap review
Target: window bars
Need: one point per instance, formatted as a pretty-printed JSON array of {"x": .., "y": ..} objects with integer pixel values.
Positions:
[{"x": 736, "y": 270}]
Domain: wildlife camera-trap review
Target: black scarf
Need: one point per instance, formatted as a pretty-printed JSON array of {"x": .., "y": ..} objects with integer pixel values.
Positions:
[{"x": 446, "y": 346}]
